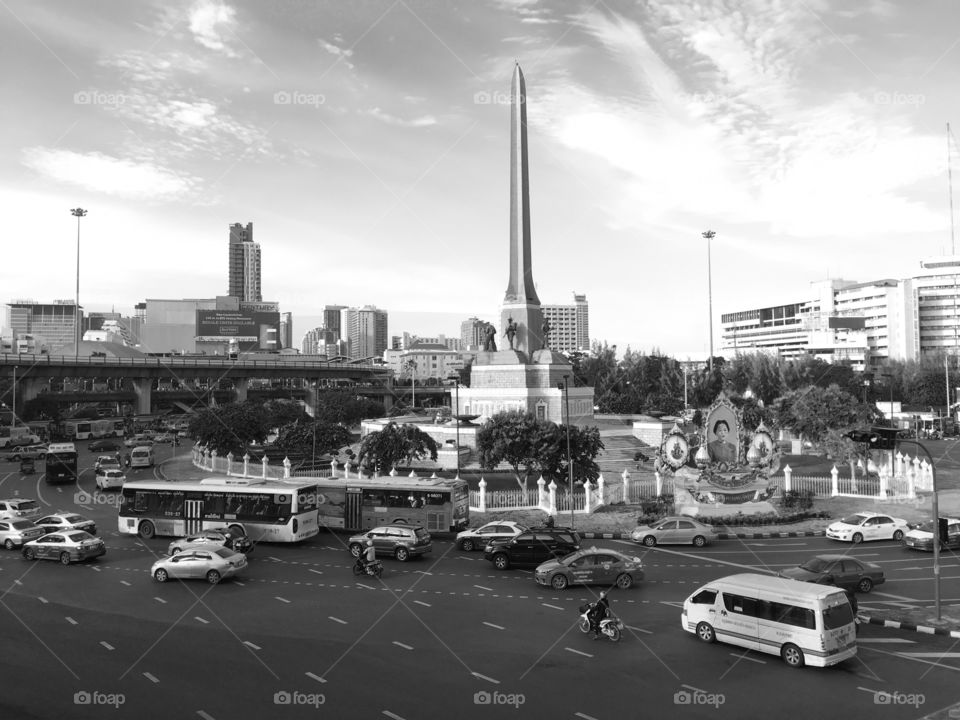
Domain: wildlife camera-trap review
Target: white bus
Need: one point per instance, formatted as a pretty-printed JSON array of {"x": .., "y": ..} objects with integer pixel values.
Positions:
[
  {"x": 267, "y": 510},
  {"x": 803, "y": 623},
  {"x": 85, "y": 428}
]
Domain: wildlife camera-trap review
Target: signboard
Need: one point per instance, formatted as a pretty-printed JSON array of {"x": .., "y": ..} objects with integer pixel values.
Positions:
[{"x": 259, "y": 328}]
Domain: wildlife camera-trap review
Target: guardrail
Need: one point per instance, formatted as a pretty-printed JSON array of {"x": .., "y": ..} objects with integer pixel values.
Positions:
[{"x": 184, "y": 361}]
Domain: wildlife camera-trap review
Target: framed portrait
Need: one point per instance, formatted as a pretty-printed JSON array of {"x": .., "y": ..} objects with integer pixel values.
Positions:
[
  {"x": 723, "y": 434},
  {"x": 674, "y": 450}
]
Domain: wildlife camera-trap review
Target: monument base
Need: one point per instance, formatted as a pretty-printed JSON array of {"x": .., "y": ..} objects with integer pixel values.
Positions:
[
  {"x": 700, "y": 509},
  {"x": 501, "y": 357}
]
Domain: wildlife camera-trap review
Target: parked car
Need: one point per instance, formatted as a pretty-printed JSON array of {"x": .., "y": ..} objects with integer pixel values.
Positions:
[
  {"x": 36, "y": 451},
  {"x": 841, "y": 570},
  {"x": 67, "y": 547},
  {"x": 863, "y": 526},
  {"x": 106, "y": 462},
  {"x": 532, "y": 547},
  {"x": 111, "y": 479},
  {"x": 19, "y": 508},
  {"x": 232, "y": 538},
  {"x": 105, "y": 445},
  {"x": 211, "y": 564},
  {"x": 593, "y": 566},
  {"x": 60, "y": 522},
  {"x": 398, "y": 540},
  {"x": 676, "y": 531},
  {"x": 477, "y": 538},
  {"x": 14, "y": 533},
  {"x": 921, "y": 538}
]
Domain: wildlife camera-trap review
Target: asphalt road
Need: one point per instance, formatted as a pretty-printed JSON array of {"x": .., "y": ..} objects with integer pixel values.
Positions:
[{"x": 297, "y": 635}]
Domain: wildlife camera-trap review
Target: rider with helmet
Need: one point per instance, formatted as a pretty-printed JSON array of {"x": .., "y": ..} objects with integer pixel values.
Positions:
[
  {"x": 370, "y": 555},
  {"x": 598, "y": 612}
]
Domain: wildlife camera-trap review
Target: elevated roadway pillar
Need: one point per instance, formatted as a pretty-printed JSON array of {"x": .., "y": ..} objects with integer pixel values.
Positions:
[
  {"x": 143, "y": 387},
  {"x": 241, "y": 384}
]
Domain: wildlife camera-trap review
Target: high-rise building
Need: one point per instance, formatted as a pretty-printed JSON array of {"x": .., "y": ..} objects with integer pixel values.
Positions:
[
  {"x": 244, "y": 264},
  {"x": 365, "y": 329},
  {"x": 472, "y": 334},
  {"x": 569, "y": 325},
  {"x": 405, "y": 341},
  {"x": 286, "y": 330},
  {"x": 55, "y": 323},
  {"x": 331, "y": 319},
  {"x": 316, "y": 341}
]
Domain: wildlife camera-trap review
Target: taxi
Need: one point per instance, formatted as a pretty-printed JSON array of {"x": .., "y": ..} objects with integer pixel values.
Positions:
[{"x": 594, "y": 566}]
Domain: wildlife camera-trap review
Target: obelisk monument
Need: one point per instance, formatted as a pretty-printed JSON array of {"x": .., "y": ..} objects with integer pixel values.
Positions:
[{"x": 520, "y": 302}]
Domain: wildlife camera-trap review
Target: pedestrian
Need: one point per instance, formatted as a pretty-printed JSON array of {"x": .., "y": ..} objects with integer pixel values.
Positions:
[{"x": 126, "y": 459}]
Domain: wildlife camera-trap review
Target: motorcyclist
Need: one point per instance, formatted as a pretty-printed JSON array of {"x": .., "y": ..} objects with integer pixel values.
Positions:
[
  {"x": 370, "y": 555},
  {"x": 597, "y": 613}
]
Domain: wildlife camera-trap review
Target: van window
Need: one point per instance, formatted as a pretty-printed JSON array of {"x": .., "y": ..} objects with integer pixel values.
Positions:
[
  {"x": 837, "y": 616},
  {"x": 704, "y": 597},
  {"x": 787, "y": 614},
  {"x": 740, "y": 605}
]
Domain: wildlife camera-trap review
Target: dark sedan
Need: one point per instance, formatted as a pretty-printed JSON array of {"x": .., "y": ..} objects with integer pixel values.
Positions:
[
  {"x": 103, "y": 446},
  {"x": 840, "y": 570}
]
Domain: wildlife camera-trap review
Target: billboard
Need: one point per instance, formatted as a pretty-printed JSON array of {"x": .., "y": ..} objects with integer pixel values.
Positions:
[{"x": 256, "y": 330}]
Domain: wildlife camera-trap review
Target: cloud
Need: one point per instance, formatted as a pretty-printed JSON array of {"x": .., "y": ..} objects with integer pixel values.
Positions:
[
  {"x": 422, "y": 121},
  {"x": 209, "y": 20},
  {"x": 109, "y": 175},
  {"x": 337, "y": 52}
]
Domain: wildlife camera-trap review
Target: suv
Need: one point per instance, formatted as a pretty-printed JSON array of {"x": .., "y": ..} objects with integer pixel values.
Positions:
[
  {"x": 478, "y": 538},
  {"x": 19, "y": 508},
  {"x": 532, "y": 547},
  {"x": 397, "y": 540},
  {"x": 36, "y": 451},
  {"x": 106, "y": 462}
]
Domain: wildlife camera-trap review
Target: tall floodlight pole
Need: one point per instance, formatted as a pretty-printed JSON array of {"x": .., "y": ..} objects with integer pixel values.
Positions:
[
  {"x": 77, "y": 213},
  {"x": 709, "y": 235}
]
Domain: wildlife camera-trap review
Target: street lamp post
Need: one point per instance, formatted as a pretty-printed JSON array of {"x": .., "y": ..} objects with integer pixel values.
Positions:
[
  {"x": 935, "y": 508},
  {"x": 709, "y": 235},
  {"x": 456, "y": 419},
  {"x": 566, "y": 396},
  {"x": 77, "y": 213}
]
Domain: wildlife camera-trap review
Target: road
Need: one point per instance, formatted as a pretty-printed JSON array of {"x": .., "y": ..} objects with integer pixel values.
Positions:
[{"x": 297, "y": 635}]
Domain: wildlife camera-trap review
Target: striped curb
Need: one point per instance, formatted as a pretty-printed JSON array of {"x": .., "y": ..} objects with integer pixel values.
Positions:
[
  {"x": 720, "y": 536},
  {"x": 909, "y": 626}
]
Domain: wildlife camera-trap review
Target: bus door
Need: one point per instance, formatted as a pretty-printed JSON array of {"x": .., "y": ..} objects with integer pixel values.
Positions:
[
  {"x": 353, "y": 511},
  {"x": 193, "y": 514}
]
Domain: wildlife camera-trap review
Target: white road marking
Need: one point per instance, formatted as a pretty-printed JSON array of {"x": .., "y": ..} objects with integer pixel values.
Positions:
[
  {"x": 275, "y": 559},
  {"x": 71, "y": 620},
  {"x": 905, "y": 656},
  {"x": 578, "y": 652},
  {"x": 895, "y": 597},
  {"x": 420, "y": 602},
  {"x": 318, "y": 572},
  {"x": 392, "y": 715},
  {"x": 205, "y": 716},
  {"x": 160, "y": 600},
  {"x": 107, "y": 645},
  {"x": 237, "y": 582},
  {"x": 367, "y": 587},
  {"x": 484, "y": 677},
  {"x": 765, "y": 544},
  {"x": 338, "y": 620},
  {"x": 923, "y": 579},
  {"x": 738, "y": 656},
  {"x": 884, "y": 640},
  {"x": 281, "y": 599},
  {"x": 869, "y": 690},
  {"x": 152, "y": 678},
  {"x": 251, "y": 645},
  {"x": 423, "y": 572},
  {"x": 498, "y": 627},
  {"x": 42, "y": 599},
  {"x": 200, "y": 619},
  {"x": 481, "y": 587},
  {"x": 124, "y": 582},
  {"x": 636, "y": 629},
  {"x": 584, "y": 716},
  {"x": 400, "y": 644},
  {"x": 315, "y": 677},
  {"x": 931, "y": 655},
  {"x": 555, "y": 607},
  {"x": 17, "y": 582},
  {"x": 696, "y": 690}
]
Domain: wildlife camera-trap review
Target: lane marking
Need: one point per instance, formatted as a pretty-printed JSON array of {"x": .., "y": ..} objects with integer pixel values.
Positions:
[
  {"x": 905, "y": 656},
  {"x": 366, "y": 587},
  {"x": 400, "y": 644},
  {"x": 895, "y": 597},
  {"x": 746, "y": 657},
  {"x": 584, "y": 716},
  {"x": 42, "y": 599},
  {"x": 318, "y": 572},
  {"x": 484, "y": 677},
  {"x": 237, "y": 582},
  {"x": 637, "y": 629},
  {"x": 335, "y": 619},
  {"x": 275, "y": 559},
  {"x": 107, "y": 645},
  {"x": 578, "y": 652},
  {"x": 555, "y": 607},
  {"x": 124, "y": 582},
  {"x": 152, "y": 678},
  {"x": 884, "y": 640},
  {"x": 71, "y": 620},
  {"x": 481, "y": 587},
  {"x": 200, "y": 619},
  {"x": 498, "y": 627},
  {"x": 931, "y": 655},
  {"x": 251, "y": 645},
  {"x": 392, "y": 715},
  {"x": 315, "y": 677},
  {"x": 205, "y": 716},
  {"x": 277, "y": 597},
  {"x": 160, "y": 600},
  {"x": 420, "y": 602}
]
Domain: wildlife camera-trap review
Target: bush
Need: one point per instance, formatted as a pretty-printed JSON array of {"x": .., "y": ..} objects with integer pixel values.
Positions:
[
  {"x": 797, "y": 500},
  {"x": 741, "y": 520}
]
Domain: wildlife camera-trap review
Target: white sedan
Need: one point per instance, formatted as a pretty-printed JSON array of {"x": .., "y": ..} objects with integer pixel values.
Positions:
[
  {"x": 864, "y": 526},
  {"x": 477, "y": 538}
]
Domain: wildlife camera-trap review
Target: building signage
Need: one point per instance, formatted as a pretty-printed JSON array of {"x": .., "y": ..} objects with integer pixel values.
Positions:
[{"x": 261, "y": 329}]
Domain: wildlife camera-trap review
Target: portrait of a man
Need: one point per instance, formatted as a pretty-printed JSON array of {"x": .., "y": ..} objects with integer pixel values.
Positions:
[{"x": 722, "y": 441}]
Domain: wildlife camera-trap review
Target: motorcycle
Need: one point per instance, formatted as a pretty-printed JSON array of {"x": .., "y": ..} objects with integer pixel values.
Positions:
[
  {"x": 375, "y": 568},
  {"x": 611, "y": 626}
]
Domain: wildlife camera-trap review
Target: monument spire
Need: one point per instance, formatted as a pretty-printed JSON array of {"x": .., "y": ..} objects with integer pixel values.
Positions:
[{"x": 520, "y": 288}]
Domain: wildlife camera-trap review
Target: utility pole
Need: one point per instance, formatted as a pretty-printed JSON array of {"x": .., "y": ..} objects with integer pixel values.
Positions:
[{"x": 709, "y": 235}]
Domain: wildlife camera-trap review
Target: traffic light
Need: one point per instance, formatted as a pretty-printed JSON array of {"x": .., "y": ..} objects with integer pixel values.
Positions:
[{"x": 942, "y": 525}]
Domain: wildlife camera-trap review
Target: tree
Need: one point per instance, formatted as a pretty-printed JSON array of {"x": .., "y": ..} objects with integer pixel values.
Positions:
[
  {"x": 386, "y": 448},
  {"x": 231, "y": 428},
  {"x": 550, "y": 445},
  {"x": 284, "y": 412},
  {"x": 41, "y": 407},
  {"x": 508, "y": 437},
  {"x": 310, "y": 439},
  {"x": 341, "y": 406},
  {"x": 813, "y": 411}
]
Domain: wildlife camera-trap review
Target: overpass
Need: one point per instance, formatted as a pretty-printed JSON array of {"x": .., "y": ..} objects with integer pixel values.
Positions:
[{"x": 33, "y": 374}]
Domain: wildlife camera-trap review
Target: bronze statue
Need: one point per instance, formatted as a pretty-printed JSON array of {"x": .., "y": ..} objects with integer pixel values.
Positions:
[
  {"x": 511, "y": 332},
  {"x": 546, "y": 332},
  {"x": 490, "y": 340}
]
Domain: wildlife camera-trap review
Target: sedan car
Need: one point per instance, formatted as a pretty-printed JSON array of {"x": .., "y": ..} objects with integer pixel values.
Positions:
[
  {"x": 111, "y": 479},
  {"x": 921, "y": 538},
  {"x": 67, "y": 547},
  {"x": 675, "y": 530},
  {"x": 594, "y": 566},
  {"x": 165, "y": 438},
  {"x": 477, "y": 538},
  {"x": 863, "y": 526},
  {"x": 232, "y": 538},
  {"x": 840, "y": 570},
  {"x": 60, "y": 522},
  {"x": 212, "y": 564},
  {"x": 103, "y": 446},
  {"x": 14, "y": 533}
]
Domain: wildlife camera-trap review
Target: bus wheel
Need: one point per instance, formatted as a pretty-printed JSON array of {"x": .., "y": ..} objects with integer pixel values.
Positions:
[
  {"x": 792, "y": 655},
  {"x": 705, "y": 632},
  {"x": 147, "y": 530}
]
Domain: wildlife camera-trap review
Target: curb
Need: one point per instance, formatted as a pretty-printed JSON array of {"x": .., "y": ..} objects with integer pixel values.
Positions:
[
  {"x": 720, "y": 536},
  {"x": 909, "y": 626}
]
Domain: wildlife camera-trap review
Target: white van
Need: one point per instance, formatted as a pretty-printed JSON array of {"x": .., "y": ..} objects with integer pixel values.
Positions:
[
  {"x": 803, "y": 623},
  {"x": 141, "y": 457}
]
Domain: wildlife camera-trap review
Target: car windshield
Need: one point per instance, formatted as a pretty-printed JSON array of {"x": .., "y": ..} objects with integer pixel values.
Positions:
[
  {"x": 225, "y": 553},
  {"x": 74, "y": 518},
  {"x": 854, "y": 519},
  {"x": 79, "y": 536},
  {"x": 815, "y": 565},
  {"x": 27, "y": 505},
  {"x": 926, "y": 526},
  {"x": 572, "y": 557},
  {"x": 22, "y": 525}
]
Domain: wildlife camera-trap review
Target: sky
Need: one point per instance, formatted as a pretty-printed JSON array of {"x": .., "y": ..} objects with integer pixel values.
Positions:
[{"x": 368, "y": 142}]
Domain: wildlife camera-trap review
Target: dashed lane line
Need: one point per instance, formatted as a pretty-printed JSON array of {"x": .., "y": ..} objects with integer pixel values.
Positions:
[
  {"x": 151, "y": 677},
  {"x": 251, "y": 645},
  {"x": 400, "y": 644},
  {"x": 496, "y": 627},
  {"x": 337, "y": 620},
  {"x": 71, "y": 620},
  {"x": 107, "y": 645},
  {"x": 578, "y": 652},
  {"x": 281, "y": 599},
  {"x": 484, "y": 677},
  {"x": 315, "y": 677},
  {"x": 200, "y": 619}
]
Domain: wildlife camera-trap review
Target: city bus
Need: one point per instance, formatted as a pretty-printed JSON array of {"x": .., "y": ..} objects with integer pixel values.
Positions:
[
  {"x": 85, "y": 429},
  {"x": 266, "y": 510},
  {"x": 61, "y": 463},
  {"x": 438, "y": 504}
]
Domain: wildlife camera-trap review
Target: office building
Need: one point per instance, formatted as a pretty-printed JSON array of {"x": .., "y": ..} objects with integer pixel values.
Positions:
[
  {"x": 319, "y": 340},
  {"x": 402, "y": 342},
  {"x": 423, "y": 361},
  {"x": 569, "y": 325},
  {"x": 365, "y": 330},
  {"x": 472, "y": 333},
  {"x": 56, "y": 323},
  {"x": 244, "y": 279},
  {"x": 331, "y": 318},
  {"x": 286, "y": 330}
]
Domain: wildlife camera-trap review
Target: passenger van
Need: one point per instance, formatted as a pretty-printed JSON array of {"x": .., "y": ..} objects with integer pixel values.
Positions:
[
  {"x": 803, "y": 623},
  {"x": 141, "y": 457}
]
